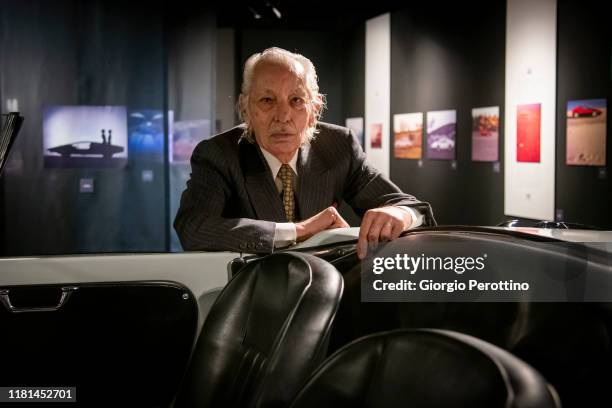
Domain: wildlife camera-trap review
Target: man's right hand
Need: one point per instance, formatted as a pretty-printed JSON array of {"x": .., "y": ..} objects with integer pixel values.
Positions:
[{"x": 327, "y": 219}]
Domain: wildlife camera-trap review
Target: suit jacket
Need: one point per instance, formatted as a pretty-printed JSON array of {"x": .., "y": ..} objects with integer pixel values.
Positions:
[{"x": 231, "y": 202}]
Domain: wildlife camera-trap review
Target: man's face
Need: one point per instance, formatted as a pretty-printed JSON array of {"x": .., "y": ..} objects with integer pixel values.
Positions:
[{"x": 278, "y": 110}]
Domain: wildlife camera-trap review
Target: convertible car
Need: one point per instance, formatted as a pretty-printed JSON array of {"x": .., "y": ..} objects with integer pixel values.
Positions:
[{"x": 153, "y": 329}]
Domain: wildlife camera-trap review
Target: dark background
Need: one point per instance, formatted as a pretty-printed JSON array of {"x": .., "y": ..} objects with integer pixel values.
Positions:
[{"x": 162, "y": 55}]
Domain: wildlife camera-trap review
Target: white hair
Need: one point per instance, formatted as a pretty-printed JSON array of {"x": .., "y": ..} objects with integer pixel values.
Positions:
[{"x": 298, "y": 65}]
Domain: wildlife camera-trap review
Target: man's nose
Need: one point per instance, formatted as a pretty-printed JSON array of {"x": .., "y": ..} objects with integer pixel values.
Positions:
[{"x": 283, "y": 112}]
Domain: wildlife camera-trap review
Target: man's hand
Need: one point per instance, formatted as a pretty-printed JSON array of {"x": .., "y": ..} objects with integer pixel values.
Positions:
[
  {"x": 327, "y": 219},
  {"x": 381, "y": 224}
]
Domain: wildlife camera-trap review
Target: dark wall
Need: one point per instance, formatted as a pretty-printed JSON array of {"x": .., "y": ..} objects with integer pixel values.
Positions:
[
  {"x": 584, "y": 52},
  {"x": 443, "y": 58},
  {"x": 353, "y": 72},
  {"x": 192, "y": 43},
  {"x": 353, "y": 89},
  {"x": 69, "y": 52}
]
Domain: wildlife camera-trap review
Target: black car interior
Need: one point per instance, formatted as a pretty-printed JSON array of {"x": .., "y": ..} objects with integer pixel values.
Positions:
[
  {"x": 569, "y": 343},
  {"x": 425, "y": 368},
  {"x": 118, "y": 344},
  {"x": 265, "y": 334}
]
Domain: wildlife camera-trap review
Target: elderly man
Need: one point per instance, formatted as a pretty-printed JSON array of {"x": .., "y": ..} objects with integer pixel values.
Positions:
[{"x": 278, "y": 178}]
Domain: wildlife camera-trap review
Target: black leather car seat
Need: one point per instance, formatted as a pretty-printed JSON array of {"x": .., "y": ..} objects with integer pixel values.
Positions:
[
  {"x": 266, "y": 333},
  {"x": 425, "y": 368}
]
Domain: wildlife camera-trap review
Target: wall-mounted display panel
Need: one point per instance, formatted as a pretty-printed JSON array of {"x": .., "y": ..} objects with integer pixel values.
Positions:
[
  {"x": 85, "y": 136},
  {"x": 586, "y": 132},
  {"x": 356, "y": 125},
  {"x": 146, "y": 133},
  {"x": 408, "y": 135},
  {"x": 441, "y": 132},
  {"x": 485, "y": 134},
  {"x": 185, "y": 136},
  {"x": 376, "y": 130},
  {"x": 528, "y": 122}
]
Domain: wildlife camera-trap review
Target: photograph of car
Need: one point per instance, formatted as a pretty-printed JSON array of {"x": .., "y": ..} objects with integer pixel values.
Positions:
[
  {"x": 441, "y": 134},
  {"x": 87, "y": 148},
  {"x": 85, "y": 136},
  {"x": 408, "y": 135},
  {"x": 443, "y": 143},
  {"x": 586, "y": 132},
  {"x": 582, "y": 111}
]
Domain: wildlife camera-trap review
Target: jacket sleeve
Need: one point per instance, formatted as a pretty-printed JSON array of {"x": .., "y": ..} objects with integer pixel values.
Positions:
[
  {"x": 200, "y": 223},
  {"x": 367, "y": 188}
]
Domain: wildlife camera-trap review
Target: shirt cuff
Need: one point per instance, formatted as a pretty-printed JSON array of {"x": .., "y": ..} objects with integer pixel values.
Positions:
[
  {"x": 284, "y": 234},
  {"x": 417, "y": 217}
]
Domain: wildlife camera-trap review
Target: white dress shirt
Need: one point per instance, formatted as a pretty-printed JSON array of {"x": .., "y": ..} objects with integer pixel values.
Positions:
[{"x": 285, "y": 232}]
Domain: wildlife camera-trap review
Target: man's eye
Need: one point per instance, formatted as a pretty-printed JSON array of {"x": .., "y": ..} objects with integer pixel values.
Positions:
[
  {"x": 297, "y": 101},
  {"x": 266, "y": 100}
]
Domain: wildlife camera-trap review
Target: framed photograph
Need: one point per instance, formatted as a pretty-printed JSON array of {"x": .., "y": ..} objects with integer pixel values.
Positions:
[
  {"x": 146, "y": 133},
  {"x": 528, "y": 124},
  {"x": 356, "y": 125},
  {"x": 85, "y": 136},
  {"x": 376, "y": 135},
  {"x": 441, "y": 130},
  {"x": 184, "y": 138},
  {"x": 485, "y": 134},
  {"x": 408, "y": 135},
  {"x": 586, "y": 132}
]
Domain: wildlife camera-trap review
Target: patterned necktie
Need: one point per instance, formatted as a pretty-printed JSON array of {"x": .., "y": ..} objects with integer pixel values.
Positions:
[{"x": 287, "y": 177}]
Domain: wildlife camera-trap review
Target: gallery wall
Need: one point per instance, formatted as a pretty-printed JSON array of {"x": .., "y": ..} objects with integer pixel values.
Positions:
[
  {"x": 583, "y": 193},
  {"x": 440, "y": 61},
  {"x": 70, "y": 52}
]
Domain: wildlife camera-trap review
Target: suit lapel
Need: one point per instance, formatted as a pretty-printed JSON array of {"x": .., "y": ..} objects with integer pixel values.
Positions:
[
  {"x": 314, "y": 183},
  {"x": 259, "y": 184}
]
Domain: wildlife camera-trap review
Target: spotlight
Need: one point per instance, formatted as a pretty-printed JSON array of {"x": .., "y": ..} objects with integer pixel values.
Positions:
[
  {"x": 276, "y": 12},
  {"x": 256, "y": 15}
]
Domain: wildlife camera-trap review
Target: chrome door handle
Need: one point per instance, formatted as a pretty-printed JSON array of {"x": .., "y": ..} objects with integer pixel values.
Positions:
[{"x": 6, "y": 301}]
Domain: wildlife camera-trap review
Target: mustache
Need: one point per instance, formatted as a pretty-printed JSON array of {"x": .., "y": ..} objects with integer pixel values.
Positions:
[{"x": 282, "y": 129}]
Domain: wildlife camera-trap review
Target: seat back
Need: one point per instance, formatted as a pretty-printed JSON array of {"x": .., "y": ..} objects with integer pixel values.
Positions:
[
  {"x": 265, "y": 334},
  {"x": 425, "y": 368},
  {"x": 122, "y": 343},
  {"x": 8, "y": 134}
]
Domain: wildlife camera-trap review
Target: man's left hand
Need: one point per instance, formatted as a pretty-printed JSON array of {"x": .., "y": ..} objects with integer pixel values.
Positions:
[{"x": 381, "y": 225}]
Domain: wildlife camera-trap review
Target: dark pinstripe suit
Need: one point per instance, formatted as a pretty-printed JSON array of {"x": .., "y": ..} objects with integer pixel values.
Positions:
[{"x": 231, "y": 201}]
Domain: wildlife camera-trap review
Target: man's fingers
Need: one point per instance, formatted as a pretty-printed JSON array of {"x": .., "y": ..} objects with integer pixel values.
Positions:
[
  {"x": 340, "y": 222},
  {"x": 374, "y": 232},
  {"x": 397, "y": 230},
  {"x": 362, "y": 243},
  {"x": 386, "y": 232}
]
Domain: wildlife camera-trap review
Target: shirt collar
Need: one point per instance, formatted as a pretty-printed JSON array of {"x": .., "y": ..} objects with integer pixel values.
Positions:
[{"x": 276, "y": 164}]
